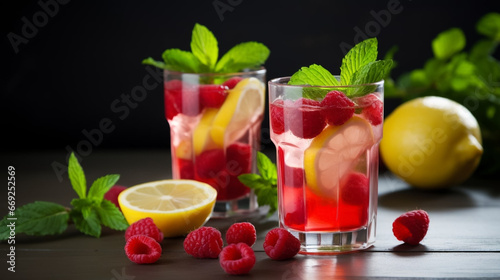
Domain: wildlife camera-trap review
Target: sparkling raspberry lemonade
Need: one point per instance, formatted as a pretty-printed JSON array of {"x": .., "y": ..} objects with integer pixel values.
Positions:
[
  {"x": 215, "y": 131},
  {"x": 327, "y": 154}
]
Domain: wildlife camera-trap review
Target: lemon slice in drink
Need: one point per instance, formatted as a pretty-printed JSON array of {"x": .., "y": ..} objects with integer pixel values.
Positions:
[
  {"x": 201, "y": 134},
  {"x": 333, "y": 152},
  {"x": 176, "y": 206},
  {"x": 243, "y": 105}
]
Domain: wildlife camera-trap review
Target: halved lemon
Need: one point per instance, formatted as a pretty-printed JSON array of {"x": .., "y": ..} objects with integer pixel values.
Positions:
[
  {"x": 176, "y": 206},
  {"x": 244, "y": 103},
  {"x": 333, "y": 152}
]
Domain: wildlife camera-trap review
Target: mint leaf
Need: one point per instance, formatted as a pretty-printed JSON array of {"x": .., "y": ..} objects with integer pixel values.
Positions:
[
  {"x": 76, "y": 176},
  {"x": 204, "y": 46},
  {"x": 314, "y": 75},
  {"x": 91, "y": 225},
  {"x": 242, "y": 56},
  {"x": 268, "y": 196},
  {"x": 267, "y": 168},
  {"x": 253, "y": 181},
  {"x": 155, "y": 63},
  {"x": 448, "y": 43},
  {"x": 37, "y": 218},
  {"x": 83, "y": 205},
  {"x": 182, "y": 61},
  {"x": 489, "y": 25},
  {"x": 315, "y": 93},
  {"x": 357, "y": 57},
  {"x": 102, "y": 185},
  {"x": 265, "y": 184},
  {"x": 111, "y": 216},
  {"x": 370, "y": 73}
]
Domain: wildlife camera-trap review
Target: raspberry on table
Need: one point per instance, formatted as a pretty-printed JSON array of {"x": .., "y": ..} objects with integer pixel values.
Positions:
[
  {"x": 337, "y": 108},
  {"x": 305, "y": 117},
  {"x": 213, "y": 96},
  {"x": 231, "y": 83},
  {"x": 112, "y": 194},
  {"x": 142, "y": 249},
  {"x": 281, "y": 244},
  {"x": 355, "y": 189},
  {"x": 205, "y": 242},
  {"x": 411, "y": 227},
  {"x": 146, "y": 227},
  {"x": 373, "y": 108},
  {"x": 210, "y": 162},
  {"x": 241, "y": 232},
  {"x": 237, "y": 258}
]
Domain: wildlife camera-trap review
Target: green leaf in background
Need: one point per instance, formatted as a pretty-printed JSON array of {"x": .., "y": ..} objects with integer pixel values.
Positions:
[
  {"x": 482, "y": 48},
  {"x": 111, "y": 216},
  {"x": 204, "y": 46},
  {"x": 155, "y": 63},
  {"x": 102, "y": 185},
  {"x": 267, "y": 168},
  {"x": 448, "y": 43},
  {"x": 357, "y": 57},
  {"x": 268, "y": 196},
  {"x": 314, "y": 75},
  {"x": 489, "y": 25},
  {"x": 76, "y": 176},
  {"x": 37, "y": 218},
  {"x": 242, "y": 56}
]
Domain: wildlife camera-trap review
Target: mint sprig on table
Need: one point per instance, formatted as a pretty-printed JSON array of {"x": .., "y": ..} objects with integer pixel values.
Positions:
[
  {"x": 265, "y": 184},
  {"x": 359, "y": 66},
  {"x": 90, "y": 210},
  {"x": 204, "y": 55}
]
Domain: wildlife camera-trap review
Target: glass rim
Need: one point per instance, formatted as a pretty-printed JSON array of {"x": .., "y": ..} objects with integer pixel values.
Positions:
[
  {"x": 252, "y": 71},
  {"x": 280, "y": 82}
]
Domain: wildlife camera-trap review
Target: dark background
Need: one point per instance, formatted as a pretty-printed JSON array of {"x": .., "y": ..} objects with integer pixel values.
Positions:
[{"x": 87, "y": 56}]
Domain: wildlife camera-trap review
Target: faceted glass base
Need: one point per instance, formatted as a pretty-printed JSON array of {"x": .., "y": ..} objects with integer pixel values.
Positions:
[
  {"x": 237, "y": 207},
  {"x": 328, "y": 243}
]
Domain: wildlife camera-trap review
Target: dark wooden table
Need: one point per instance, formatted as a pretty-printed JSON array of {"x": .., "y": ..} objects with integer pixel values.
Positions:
[{"x": 463, "y": 240}]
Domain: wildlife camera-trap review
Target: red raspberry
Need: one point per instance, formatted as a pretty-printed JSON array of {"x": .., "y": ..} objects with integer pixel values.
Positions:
[
  {"x": 337, "y": 108},
  {"x": 231, "y": 83},
  {"x": 306, "y": 120},
  {"x": 209, "y": 163},
  {"x": 373, "y": 108},
  {"x": 173, "y": 98},
  {"x": 239, "y": 158},
  {"x": 281, "y": 244},
  {"x": 237, "y": 258},
  {"x": 146, "y": 227},
  {"x": 112, "y": 194},
  {"x": 241, "y": 232},
  {"x": 411, "y": 227},
  {"x": 213, "y": 96},
  {"x": 205, "y": 242},
  {"x": 181, "y": 98},
  {"x": 277, "y": 116},
  {"x": 142, "y": 249},
  {"x": 355, "y": 189}
]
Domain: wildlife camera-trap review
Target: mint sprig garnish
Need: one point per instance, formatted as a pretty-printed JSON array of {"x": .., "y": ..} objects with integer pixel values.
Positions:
[
  {"x": 90, "y": 210},
  {"x": 265, "y": 184},
  {"x": 204, "y": 55},
  {"x": 359, "y": 66}
]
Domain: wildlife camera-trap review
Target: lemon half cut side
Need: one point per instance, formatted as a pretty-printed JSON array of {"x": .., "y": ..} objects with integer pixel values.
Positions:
[{"x": 176, "y": 206}]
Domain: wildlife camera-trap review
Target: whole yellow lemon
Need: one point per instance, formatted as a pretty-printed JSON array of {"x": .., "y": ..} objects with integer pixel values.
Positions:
[{"x": 431, "y": 142}]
